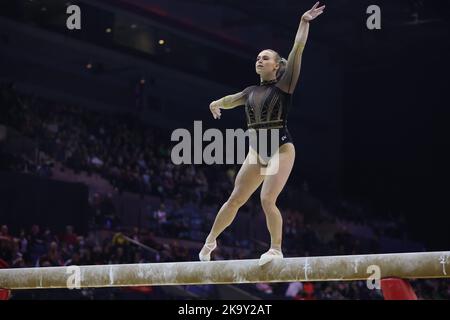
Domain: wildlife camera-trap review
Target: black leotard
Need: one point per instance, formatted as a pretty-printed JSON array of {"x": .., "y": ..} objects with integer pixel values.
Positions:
[{"x": 267, "y": 107}]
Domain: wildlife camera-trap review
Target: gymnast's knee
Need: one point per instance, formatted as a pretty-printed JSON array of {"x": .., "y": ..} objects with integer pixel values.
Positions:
[
  {"x": 236, "y": 201},
  {"x": 268, "y": 202}
]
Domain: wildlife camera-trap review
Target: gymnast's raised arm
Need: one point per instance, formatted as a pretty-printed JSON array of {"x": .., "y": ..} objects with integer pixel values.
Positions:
[{"x": 288, "y": 81}]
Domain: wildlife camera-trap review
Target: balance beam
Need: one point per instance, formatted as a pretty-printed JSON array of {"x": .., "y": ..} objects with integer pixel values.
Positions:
[{"x": 326, "y": 268}]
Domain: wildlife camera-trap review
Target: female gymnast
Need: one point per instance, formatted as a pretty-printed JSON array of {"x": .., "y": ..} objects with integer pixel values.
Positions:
[{"x": 266, "y": 107}]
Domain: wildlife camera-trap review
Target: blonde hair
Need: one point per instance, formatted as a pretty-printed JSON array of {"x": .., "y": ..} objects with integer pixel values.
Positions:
[{"x": 281, "y": 61}]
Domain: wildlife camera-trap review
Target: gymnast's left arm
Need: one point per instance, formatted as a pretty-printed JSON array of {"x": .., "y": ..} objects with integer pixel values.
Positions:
[{"x": 289, "y": 80}]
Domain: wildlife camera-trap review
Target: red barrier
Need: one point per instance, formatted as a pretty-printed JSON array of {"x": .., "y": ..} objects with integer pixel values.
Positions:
[
  {"x": 397, "y": 289},
  {"x": 4, "y": 293}
]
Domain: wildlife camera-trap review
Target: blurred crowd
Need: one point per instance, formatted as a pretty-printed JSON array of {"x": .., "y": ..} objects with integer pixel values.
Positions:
[
  {"x": 131, "y": 156},
  {"x": 38, "y": 247},
  {"x": 134, "y": 157}
]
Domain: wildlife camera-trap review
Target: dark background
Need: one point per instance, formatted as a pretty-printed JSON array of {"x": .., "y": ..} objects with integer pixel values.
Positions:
[{"x": 366, "y": 113}]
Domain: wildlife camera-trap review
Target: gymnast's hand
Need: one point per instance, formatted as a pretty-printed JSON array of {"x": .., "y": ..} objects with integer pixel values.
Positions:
[
  {"x": 215, "y": 110},
  {"x": 313, "y": 13}
]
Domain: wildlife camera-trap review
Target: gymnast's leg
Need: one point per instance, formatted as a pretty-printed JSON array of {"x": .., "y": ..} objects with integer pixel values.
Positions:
[
  {"x": 272, "y": 186},
  {"x": 248, "y": 179}
]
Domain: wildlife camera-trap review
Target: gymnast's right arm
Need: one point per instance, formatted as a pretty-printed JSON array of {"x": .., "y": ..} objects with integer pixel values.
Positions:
[{"x": 227, "y": 102}]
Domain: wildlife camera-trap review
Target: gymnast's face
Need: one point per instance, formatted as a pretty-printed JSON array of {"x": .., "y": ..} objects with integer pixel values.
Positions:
[{"x": 265, "y": 63}]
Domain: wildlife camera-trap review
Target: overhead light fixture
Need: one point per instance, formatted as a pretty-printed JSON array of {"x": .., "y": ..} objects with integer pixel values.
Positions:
[
  {"x": 95, "y": 67},
  {"x": 161, "y": 41},
  {"x": 108, "y": 30}
]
